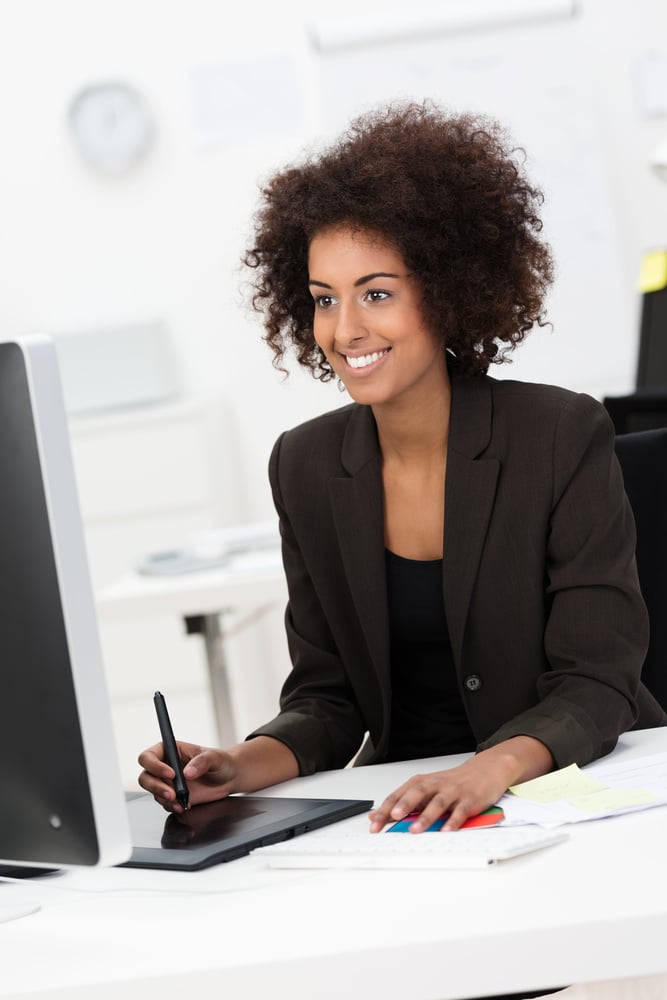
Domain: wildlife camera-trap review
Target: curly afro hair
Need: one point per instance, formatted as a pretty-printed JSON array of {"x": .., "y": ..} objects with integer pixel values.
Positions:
[{"x": 448, "y": 192}]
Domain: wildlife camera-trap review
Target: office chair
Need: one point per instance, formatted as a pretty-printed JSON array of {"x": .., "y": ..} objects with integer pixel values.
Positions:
[
  {"x": 643, "y": 410},
  {"x": 643, "y": 460},
  {"x": 646, "y": 408}
]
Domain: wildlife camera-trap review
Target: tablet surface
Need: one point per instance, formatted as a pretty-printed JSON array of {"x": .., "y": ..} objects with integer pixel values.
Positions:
[{"x": 221, "y": 831}]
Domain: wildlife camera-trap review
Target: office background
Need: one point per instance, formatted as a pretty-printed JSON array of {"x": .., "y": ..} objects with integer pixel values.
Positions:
[{"x": 143, "y": 264}]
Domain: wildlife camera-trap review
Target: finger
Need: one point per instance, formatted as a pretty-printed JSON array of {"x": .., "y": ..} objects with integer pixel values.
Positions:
[
  {"x": 187, "y": 751},
  {"x": 154, "y": 785},
  {"x": 438, "y": 806},
  {"x": 170, "y": 804},
  {"x": 461, "y": 812},
  {"x": 157, "y": 784},
  {"x": 413, "y": 800},
  {"x": 162, "y": 793},
  {"x": 203, "y": 762},
  {"x": 381, "y": 816},
  {"x": 397, "y": 806},
  {"x": 152, "y": 761}
]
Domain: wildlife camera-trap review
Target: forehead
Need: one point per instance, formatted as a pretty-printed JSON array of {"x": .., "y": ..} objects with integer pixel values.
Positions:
[{"x": 347, "y": 250}]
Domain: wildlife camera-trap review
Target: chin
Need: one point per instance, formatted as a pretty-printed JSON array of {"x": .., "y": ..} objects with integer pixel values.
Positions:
[{"x": 365, "y": 395}]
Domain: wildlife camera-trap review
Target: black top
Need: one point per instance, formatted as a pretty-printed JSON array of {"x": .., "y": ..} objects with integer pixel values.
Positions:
[{"x": 428, "y": 717}]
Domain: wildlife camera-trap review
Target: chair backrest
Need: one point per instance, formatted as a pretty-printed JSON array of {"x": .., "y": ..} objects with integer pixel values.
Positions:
[
  {"x": 643, "y": 410},
  {"x": 643, "y": 460}
]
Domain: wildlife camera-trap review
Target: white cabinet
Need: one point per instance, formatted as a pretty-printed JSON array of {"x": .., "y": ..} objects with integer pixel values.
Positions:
[
  {"x": 151, "y": 476},
  {"x": 148, "y": 478}
]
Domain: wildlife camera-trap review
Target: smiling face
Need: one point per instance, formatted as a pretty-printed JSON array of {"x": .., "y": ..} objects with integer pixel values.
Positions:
[{"x": 368, "y": 319}]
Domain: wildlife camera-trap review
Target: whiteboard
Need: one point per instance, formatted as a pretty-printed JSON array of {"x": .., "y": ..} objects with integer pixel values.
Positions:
[{"x": 532, "y": 78}]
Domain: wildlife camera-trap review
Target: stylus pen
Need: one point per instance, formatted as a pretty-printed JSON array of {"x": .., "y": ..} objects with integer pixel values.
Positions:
[{"x": 171, "y": 750}]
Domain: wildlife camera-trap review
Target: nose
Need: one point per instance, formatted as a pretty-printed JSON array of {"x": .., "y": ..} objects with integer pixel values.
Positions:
[{"x": 350, "y": 325}]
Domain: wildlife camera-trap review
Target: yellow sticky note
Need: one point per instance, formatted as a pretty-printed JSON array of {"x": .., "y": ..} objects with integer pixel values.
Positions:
[
  {"x": 610, "y": 798},
  {"x": 567, "y": 783},
  {"x": 653, "y": 273}
]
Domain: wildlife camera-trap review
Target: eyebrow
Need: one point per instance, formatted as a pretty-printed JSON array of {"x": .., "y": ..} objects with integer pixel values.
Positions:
[{"x": 359, "y": 281}]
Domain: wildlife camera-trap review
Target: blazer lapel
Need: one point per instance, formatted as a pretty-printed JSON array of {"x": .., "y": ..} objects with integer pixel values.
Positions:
[
  {"x": 470, "y": 490},
  {"x": 357, "y": 504}
]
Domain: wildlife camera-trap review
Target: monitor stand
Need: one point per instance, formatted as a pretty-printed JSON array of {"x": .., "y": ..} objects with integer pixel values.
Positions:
[{"x": 13, "y": 911}]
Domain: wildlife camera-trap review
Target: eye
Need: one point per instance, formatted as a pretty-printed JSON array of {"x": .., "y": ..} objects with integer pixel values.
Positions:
[
  {"x": 324, "y": 301},
  {"x": 376, "y": 295}
]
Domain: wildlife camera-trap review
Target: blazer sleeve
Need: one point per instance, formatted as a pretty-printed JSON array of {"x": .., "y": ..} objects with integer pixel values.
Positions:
[
  {"x": 596, "y": 633},
  {"x": 319, "y": 718}
]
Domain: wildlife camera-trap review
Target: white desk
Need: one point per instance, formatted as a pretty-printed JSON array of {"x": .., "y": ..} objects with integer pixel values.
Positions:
[
  {"x": 592, "y": 908},
  {"x": 206, "y": 600}
]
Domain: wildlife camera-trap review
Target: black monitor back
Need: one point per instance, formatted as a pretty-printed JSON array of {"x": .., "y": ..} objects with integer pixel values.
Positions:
[
  {"x": 60, "y": 789},
  {"x": 652, "y": 363}
]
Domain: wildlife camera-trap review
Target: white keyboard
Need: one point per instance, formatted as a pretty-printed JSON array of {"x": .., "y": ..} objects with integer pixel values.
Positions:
[{"x": 461, "y": 849}]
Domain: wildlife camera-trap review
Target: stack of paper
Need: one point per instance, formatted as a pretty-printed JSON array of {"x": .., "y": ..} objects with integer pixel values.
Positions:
[{"x": 571, "y": 795}]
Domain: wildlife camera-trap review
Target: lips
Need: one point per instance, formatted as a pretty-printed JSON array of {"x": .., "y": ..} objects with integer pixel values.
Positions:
[{"x": 364, "y": 360}]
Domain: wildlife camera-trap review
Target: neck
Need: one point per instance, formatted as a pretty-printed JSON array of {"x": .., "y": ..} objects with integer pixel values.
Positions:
[{"x": 415, "y": 429}]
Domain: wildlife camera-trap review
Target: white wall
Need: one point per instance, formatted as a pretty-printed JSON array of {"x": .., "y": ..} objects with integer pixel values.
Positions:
[{"x": 80, "y": 251}]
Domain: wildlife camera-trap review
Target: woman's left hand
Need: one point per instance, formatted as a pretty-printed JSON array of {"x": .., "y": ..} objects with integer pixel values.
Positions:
[{"x": 466, "y": 790}]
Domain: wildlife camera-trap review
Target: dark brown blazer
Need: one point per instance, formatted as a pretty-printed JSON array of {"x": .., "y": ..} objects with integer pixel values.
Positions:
[{"x": 546, "y": 621}]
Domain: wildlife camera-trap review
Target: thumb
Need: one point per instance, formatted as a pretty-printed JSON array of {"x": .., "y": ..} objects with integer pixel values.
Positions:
[{"x": 197, "y": 765}]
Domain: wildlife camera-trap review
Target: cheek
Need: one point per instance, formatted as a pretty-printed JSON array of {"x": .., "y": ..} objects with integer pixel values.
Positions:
[
  {"x": 321, "y": 334},
  {"x": 317, "y": 336}
]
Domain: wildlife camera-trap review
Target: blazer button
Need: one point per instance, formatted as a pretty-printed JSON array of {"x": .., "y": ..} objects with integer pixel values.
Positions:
[{"x": 473, "y": 682}]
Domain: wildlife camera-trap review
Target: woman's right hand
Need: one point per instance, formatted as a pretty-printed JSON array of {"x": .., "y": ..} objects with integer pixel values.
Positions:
[{"x": 209, "y": 774}]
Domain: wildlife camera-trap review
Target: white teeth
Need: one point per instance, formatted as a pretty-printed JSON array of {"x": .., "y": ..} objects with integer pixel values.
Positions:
[{"x": 365, "y": 360}]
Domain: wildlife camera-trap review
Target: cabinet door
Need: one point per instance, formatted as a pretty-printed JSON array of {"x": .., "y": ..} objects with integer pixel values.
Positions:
[{"x": 148, "y": 478}]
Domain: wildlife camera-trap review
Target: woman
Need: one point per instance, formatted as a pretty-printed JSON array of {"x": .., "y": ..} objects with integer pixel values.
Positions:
[{"x": 403, "y": 261}]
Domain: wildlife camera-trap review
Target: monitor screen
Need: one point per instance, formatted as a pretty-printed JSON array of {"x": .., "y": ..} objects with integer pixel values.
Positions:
[{"x": 60, "y": 787}]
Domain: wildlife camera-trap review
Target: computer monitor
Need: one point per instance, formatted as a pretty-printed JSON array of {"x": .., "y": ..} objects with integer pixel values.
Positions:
[
  {"x": 652, "y": 362},
  {"x": 60, "y": 788},
  {"x": 646, "y": 408}
]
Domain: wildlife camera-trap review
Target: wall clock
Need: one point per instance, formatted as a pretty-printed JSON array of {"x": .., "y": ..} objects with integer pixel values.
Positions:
[{"x": 111, "y": 126}]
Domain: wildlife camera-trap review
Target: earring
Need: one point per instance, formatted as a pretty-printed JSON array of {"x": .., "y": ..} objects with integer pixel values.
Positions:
[{"x": 340, "y": 384}]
